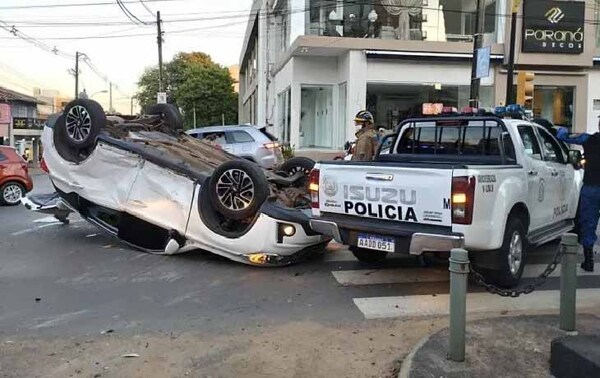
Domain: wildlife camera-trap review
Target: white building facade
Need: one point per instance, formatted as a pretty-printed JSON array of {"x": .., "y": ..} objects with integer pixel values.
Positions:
[{"x": 308, "y": 66}]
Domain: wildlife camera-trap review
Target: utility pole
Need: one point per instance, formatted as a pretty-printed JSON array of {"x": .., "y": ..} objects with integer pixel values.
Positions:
[
  {"x": 131, "y": 109},
  {"x": 510, "y": 92},
  {"x": 110, "y": 107},
  {"x": 477, "y": 44},
  {"x": 76, "y": 74},
  {"x": 159, "y": 40}
]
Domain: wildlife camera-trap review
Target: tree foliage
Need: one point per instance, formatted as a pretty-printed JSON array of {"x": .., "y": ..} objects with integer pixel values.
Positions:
[{"x": 193, "y": 80}]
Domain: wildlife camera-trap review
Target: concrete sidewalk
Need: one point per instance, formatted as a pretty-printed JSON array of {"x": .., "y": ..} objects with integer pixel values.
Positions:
[{"x": 497, "y": 347}]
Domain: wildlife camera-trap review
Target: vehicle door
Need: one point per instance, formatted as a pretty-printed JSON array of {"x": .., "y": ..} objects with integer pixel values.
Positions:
[
  {"x": 3, "y": 164},
  {"x": 538, "y": 179},
  {"x": 562, "y": 175},
  {"x": 242, "y": 143}
]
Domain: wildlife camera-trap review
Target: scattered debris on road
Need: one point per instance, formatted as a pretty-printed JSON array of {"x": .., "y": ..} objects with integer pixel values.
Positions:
[{"x": 130, "y": 355}]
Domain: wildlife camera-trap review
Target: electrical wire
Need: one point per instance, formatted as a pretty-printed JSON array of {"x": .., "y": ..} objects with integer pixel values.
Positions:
[
  {"x": 68, "y": 5},
  {"x": 131, "y": 16},
  {"x": 146, "y": 7}
]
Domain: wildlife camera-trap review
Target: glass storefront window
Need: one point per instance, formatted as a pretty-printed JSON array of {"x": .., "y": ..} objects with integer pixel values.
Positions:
[
  {"x": 392, "y": 103},
  {"x": 554, "y": 103},
  {"x": 431, "y": 20},
  {"x": 316, "y": 117}
]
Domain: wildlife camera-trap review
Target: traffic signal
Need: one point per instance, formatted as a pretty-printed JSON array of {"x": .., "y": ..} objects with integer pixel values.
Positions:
[{"x": 525, "y": 89}]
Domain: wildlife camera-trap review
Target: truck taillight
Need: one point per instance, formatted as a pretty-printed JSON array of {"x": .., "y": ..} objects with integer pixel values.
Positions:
[
  {"x": 313, "y": 187},
  {"x": 463, "y": 199}
]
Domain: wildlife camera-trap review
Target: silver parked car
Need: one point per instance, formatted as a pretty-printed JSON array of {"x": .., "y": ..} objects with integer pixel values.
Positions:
[{"x": 250, "y": 142}]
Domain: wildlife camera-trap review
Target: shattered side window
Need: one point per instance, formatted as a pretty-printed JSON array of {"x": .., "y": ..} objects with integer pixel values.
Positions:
[{"x": 215, "y": 138}]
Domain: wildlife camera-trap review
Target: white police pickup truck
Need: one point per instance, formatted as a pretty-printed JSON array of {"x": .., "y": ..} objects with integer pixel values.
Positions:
[{"x": 493, "y": 186}]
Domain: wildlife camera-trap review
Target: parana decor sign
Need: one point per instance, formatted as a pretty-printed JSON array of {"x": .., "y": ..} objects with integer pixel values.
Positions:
[{"x": 553, "y": 26}]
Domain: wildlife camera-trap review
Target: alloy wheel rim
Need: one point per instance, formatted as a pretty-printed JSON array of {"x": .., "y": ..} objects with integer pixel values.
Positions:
[
  {"x": 295, "y": 170},
  {"x": 515, "y": 253},
  {"x": 79, "y": 123},
  {"x": 235, "y": 189},
  {"x": 12, "y": 194}
]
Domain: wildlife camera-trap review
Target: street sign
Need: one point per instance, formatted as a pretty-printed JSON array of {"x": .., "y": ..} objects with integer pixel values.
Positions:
[
  {"x": 483, "y": 62},
  {"x": 161, "y": 98}
]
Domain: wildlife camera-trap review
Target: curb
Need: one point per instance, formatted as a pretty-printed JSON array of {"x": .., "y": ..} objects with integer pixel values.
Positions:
[{"x": 407, "y": 363}]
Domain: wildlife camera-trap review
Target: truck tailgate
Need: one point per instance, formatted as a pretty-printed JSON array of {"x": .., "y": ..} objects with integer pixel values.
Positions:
[{"x": 389, "y": 193}]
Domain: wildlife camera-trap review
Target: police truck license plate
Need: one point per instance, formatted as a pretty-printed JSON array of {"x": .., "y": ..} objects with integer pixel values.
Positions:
[{"x": 378, "y": 243}]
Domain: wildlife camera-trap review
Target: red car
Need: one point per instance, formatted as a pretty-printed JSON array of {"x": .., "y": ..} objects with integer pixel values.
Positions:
[{"x": 14, "y": 177}]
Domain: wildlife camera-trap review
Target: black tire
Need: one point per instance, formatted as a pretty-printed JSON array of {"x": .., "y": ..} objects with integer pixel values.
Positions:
[
  {"x": 298, "y": 164},
  {"x": 9, "y": 193},
  {"x": 238, "y": 188},
  {"x": 503, "y": 275},
  {"x": 368, "y": 255},
  {"x": 171, "y": 117},
  {"x": 82, "y": 122}
]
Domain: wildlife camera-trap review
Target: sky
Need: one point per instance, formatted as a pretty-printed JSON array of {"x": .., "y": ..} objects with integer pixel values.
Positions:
[{"x": 119, "y": 48}]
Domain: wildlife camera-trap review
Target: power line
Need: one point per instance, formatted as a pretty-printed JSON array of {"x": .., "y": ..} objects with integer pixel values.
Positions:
[
  {"x": 146, "y": 7},
  {"x": 130, "y": 15},
  {"x": 78, "y": 4}
]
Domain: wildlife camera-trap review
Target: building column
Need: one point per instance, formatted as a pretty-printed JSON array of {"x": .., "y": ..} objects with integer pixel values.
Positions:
[
  {"x": 356, "y": 99},
  {"x": 36, "y": 152},
  {"x": 297, "y": 18},
  {"x": 11, "y": 134},
  {"x": 295, "y": 110},
  {"x": 263, "y": 65}
]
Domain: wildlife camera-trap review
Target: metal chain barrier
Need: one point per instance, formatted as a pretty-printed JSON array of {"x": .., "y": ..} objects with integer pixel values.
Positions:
[{"x": 528, "y": 289}]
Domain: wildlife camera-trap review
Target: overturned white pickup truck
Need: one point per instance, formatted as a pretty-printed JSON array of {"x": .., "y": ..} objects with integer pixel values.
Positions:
[
  {"x": 494, "y": 186},
  {"x": 165, "y": 192}
]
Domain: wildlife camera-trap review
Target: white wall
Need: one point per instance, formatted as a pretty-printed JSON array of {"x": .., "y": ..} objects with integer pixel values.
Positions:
[
  {"x": 316, "y": 70},
  {"x": 297, "y": 18},
  {"x": 593, "y": 93},
  {"x": 395, "y": 71},
  {"x": 357, "y": 88}
]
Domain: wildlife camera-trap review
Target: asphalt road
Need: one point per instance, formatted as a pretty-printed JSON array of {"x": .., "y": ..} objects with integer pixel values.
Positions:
[{"x": 76, "y": 280}]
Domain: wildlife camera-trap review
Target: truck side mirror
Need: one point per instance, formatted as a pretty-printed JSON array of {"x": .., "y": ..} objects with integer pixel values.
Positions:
[
  {"x": 386, "y": 144},
  {"x": 575, "y": 157}
]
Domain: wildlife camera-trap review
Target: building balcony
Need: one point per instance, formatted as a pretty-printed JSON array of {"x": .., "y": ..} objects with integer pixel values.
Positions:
[{"x": 408, "y": 20}]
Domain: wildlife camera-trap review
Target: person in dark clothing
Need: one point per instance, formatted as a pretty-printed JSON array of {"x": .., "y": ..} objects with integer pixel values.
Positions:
[{"x": 589, "y": 198}]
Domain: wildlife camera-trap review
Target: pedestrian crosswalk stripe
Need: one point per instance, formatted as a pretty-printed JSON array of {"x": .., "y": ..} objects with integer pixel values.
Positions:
[
  {"x": 390, "y": 276},
  {"x": 422, "y": 275},
  {"x": 426, "y": 305}
]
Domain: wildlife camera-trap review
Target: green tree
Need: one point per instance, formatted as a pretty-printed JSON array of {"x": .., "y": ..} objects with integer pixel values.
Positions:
[{"x": 193, "y": 81}]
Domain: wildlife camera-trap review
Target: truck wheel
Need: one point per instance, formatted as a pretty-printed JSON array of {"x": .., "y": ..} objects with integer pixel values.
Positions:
[
  {"x": 512, "y": 253},
  {"x": 83, "y": 120},
  {"x": 170, "y": 116},
  {"x": 368, "y": 255},
  {"x": 238, "y": 188}
]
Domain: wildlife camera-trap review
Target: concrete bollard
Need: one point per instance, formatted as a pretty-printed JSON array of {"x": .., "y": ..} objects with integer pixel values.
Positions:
[
  {"x": 459, "y": 274},
  {"x": 568, "y": 281}
]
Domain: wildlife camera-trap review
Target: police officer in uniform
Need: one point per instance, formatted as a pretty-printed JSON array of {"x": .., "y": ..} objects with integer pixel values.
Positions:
[
  {"x": 589, "y": 201},
  {"x": 366, "y": 137}
]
